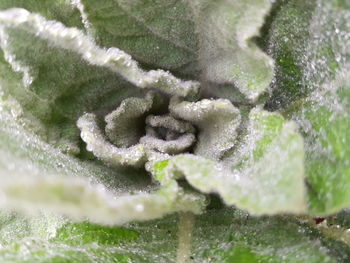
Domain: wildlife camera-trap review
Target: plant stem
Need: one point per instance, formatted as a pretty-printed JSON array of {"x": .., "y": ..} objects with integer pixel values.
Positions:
[{"x": 185, "y": 227}]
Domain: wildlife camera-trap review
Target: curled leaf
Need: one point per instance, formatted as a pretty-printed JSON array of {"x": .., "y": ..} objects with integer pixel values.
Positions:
[
  {"x": 114, "y": 59},
  {"x": 160, "y": 33},
  {"x": 35, "y": 176},
  {"x": 227, "y": 53},
  {"x": 176, "y": 137},
  {"x": 217, "y": 121},
  {"x": 107, "y": 152},
  {"x": 258, "y": 190},
  {"x": 124, "y": 126}
]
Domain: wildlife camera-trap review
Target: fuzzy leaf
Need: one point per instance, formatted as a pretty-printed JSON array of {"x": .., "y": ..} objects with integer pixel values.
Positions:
[
  {"x": 259, "y": 190},
  {"x": 322, "y": 110},
  {"x": 104, "y": 150},
  {"x": 179, "y": 135},
  {"x": 271, "y": 151},
  {"x": 124, "y": 126},
  {"x": 325, "y": 125},
  {"x": 160, "y": 33},
  {"x": 227, "y": 53},
  {"x": 188, "y": 37},
  {"x": 53, "y": 239},
  {"x": 64, "y": 74},
  {"x": 74, "y": 40},
  {"x": 56, "y": 78},
  {"x": 36, "y": 176},
  {"x": 288, "y": 44},
  {"x": 52, "y": 87},
  {"x": 60, "y": 10},
  {"x": 250, "y": 183},
  {"x": 217, "y": 121}
]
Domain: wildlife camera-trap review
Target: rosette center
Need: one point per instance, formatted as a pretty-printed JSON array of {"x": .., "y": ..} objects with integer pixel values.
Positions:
[
  {"x": 134, "y": 134},
  {"x": 168, "y": 135}
]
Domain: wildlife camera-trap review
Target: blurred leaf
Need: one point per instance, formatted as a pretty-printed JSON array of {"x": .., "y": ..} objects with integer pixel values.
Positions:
[
  {"x": 219, "y": 236},
  {"x": 190, "y": 37},
  {"x": 321, "y": 107}
]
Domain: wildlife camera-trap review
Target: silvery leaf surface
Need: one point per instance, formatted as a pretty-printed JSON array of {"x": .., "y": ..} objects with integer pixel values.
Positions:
[{"x": 314, "y": 91}]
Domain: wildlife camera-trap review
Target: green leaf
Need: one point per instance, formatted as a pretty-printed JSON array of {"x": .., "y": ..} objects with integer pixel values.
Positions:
[
  {"x": 261, "y": 239},
  {"x": 270, "y": 153},
  {"x": 249, "y": 183},
  {"x": 49, "y": 238},
  {"x": 124, "y": 126},
  {"x": 65, "y": 74},
  {"x": 55, "y": 79},
  {"x": 53, "y": 87},
  {"x": 36, "y": 176},
  {"x": 189, "y": 37},
  {"x": 227, "y": 53},
  {"x": 47, "y": 82},
  {"x": 178, "y": 138},
  {"x": 325, "y": 125},
  {"x": 159, "y": 34},
  {"x": 217, "y": 121},
  {"x": 278, "y": 239},
  {"x": 321, "y": 107},
  {"x": 60, "y": 10},
  {"x": 104, "y": 150},
  {"x": 252, "y": 185},
  {"x": 288, "y": 43}
]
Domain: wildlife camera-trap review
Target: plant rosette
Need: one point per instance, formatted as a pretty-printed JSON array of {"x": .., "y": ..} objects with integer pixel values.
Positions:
[{"x": 116, "y": 112}]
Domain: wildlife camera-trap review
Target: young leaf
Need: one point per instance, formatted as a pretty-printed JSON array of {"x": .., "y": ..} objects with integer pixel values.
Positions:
[{"x": 217, "y": 121}]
